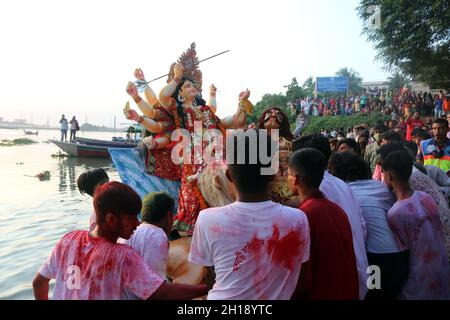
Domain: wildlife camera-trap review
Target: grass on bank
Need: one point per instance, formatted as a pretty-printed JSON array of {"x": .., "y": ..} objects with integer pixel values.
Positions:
[
  {"x": 317, "y": 124},
  {"x": 16, "y": 142}
]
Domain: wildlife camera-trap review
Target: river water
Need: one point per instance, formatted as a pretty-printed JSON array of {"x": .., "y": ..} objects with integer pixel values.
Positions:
[{"x": 35, "y": 214}]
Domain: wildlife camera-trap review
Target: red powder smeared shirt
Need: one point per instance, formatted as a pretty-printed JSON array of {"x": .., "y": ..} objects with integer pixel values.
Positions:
[
  {"x": 87, "y": 268},
  {"x": 330, "y": 273}
]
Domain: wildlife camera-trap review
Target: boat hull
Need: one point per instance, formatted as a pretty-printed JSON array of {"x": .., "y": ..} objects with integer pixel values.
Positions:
[
  {"x": 82, "y": 150},
  {"x": 106, "y": 143}
]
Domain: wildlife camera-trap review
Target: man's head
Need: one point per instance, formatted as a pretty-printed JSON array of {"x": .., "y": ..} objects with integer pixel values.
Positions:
[
  {"x": 390, "y": 137},
  {"x": 378, "y": 131},
  {"x": 88, "y": 181},
  {"x": 416, "y": 116},
  {"x": 116, "y": 208},
  {"x": 397, "y": 168},
  {"x": 250, "y": 159},
  {"x": 418, "y": 135},
  {"x": 306, "y": 169},
  {"x": 349, "y": 145},
  {"x": 392, "y": 124},
  {"x": 440, "y": 129},
  {"x": 349, "y": 167},
  {"x": 315, "y": 141},
  {"x": 363, "y": 138},
  {"x": 157, "y": 209}
]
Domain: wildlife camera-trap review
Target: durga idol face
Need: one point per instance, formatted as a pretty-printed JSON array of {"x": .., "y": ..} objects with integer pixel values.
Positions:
[
  {"x": 188, "y": 90},
  {"x": 273, "y": 119}
]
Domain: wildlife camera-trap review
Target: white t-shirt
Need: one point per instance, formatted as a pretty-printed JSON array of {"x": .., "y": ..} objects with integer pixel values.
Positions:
[
  {"x": 88, "y": 268},
  {"x": 257, "y": 249},
  {"x": 375, "y": 200},
  {"x": 152, "y": 245},
  {"x": 340, "y": 193}
]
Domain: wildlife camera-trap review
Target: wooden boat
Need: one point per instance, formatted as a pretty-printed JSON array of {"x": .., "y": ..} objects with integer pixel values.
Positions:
[
  {"x": 82, "y": 150},
  {"x": 110, "y": 144}
]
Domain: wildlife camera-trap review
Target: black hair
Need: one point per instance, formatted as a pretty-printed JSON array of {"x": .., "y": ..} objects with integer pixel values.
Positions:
[
  {"x": 348, "y": 166},
  {"x": 199, "y": 100},
  {"x": 400, "y": 164},
  {"x": 392, "y": 136},
  {"x": 385, "y": 150},
  {"x": 243, "y": 154},
  {"x": 315, "y": 141},
  {"x": 365, "y": 133},
  {"x": 441, "y": 121},
  {"x": 310, "y": 164},
  {"x": 380, "y": 127},
  {"x": 352, "y": 144},
  {"x": 411, "y": 146},
  {"x": 156, "y": 206},
  {"x": 87, "y": 181},
  {"x": 116, "y": 198}
]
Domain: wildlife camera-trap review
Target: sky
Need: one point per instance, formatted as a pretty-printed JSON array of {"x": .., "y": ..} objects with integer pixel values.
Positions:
[{"x": 76, "y": 57}]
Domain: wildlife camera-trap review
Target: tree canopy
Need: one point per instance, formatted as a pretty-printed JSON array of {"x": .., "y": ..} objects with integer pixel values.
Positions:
[
  {"x": 413, "y": 36},
  {"x": 354, "y": 80}
]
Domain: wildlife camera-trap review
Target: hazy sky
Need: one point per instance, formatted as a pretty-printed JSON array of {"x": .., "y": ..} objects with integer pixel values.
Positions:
[{"x": 76, "y": 57}]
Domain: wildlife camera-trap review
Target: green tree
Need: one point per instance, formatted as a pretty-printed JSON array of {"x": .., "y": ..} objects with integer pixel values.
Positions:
[
  {"x": 270, "y": 100},
  {"x": 309, "y": 86},
  {"x": 397, "y": 81},
  {"x": 354, "y": 80},
  {"x": 294, "y": 91},
  {"x": 413, "y": 36}
]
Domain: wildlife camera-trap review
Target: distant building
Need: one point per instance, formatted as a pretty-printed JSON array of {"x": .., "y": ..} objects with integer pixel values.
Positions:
[
  {"x": 417, "y": 87},
  {"x": 375, "y": 85},
  {"x": 20, "y": 121},
  {"x": 1, "y": 120}
]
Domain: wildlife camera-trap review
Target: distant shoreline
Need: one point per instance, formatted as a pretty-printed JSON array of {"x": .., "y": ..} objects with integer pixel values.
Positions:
[{"x": 31, "y": 127}]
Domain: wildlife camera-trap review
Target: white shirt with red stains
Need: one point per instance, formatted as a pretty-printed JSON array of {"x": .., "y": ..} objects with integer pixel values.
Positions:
[
  {"x": 152, "y": 245},
  {"x": 257, "y": 249},
  {"x": 417, "y": 227},
  {"x": 88, "y": 268}
]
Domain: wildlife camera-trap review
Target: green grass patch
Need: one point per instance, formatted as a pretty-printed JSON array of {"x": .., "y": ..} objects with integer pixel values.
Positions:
[
  {"x": 317, "y": 124},
  {"x": 17, "y": 142}
]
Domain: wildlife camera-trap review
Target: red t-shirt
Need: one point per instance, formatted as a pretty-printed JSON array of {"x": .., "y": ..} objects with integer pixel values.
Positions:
[
  {"x": 330, "y": 273},
  {"x": 412, "y": 124}
]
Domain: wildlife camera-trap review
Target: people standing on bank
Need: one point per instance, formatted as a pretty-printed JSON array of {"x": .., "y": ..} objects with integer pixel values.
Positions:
[
  {"x": 74, "y": 127},
  {"x": 64, "y": 127}
]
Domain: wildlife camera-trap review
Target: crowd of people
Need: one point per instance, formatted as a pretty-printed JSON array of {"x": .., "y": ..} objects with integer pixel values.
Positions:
[
  {"x": 353, "y": 207},
  {"x": 354, "y": 215},
  {"x": 396, "y": 103}
]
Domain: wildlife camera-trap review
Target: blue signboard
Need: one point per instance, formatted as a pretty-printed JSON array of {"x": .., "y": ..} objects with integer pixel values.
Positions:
[{"x": 332, "y": 84}]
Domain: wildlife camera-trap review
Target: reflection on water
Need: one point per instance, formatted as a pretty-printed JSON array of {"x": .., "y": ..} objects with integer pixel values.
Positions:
[
  {"x": 68, "y": 170},
  {"x": 35, "y": 214}
]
